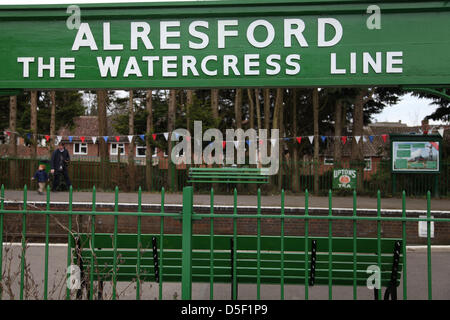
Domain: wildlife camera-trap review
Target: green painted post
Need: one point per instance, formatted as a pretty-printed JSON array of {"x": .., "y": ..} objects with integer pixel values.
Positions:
[
  {"x": 306, "y": 247},
  {"x": 234, "y": 285},
  {"x": 379, "y": 236},
  {"x": 138, "y": 246},
  {"x": 47, "y": 225},
  {"x": 430, "y": 289},
  {"x": 2, "y": 207},
  {"x": 405, "y": 291},
  {"x": 330, "y": 245},
  {"x": 24, "y": 231},
  {"x": 116, "y": 217},
  {"x": 91, "y": 271},
  {"x": 355, "y": 262},
  {"x": 282, "y": 245},
  {"x": 211, "y": 247},
  {"x": 258, "y": 248},
  {"x": 161, "y": 245},
  {"x": 186, "y": 272},
  {"x": 69, "y": 240}
]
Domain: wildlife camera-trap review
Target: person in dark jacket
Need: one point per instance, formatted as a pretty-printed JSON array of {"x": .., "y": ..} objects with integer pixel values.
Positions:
[
  {"x": 42, "y": 177},
  {"x": 59, "y": 163}
]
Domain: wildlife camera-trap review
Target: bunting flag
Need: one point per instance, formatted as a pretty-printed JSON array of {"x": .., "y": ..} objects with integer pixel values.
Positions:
[
  {"x": 47, "y": 137},
  {"x": 224, "y": 143},
  {"x": 154, "y": 136},
  {"x": 236, "y": 144},
  {"x": 344, "y": 139},
  {"x": 8, "y": 133},
  {"x": 166, "y": 135},
  {"x": 299, "y": 139},
  {"x": 94, "y": 140},
  {"x": 441, "y": 132},
  {"x": 364, "y": 139},
  {"x": 29, "y": 136},
  {"x": 105, "y": 138},
  {"x": 117, "y": 138},
  {"x": 435, "y": 145},
  {"x": 311, "y": 139},
  {"x": 58, "y": 139},
  {"x": 130, "y": 138},
  {"x": 188, "y": 138},
  {"x": 357, "y": 138},
  {"x": 70, "y": 138},
  {"x": 371, "y": 139},
  {"x": 142, "y": 136},
  {"x": 261, "y": 142},
  {"x": 82, "y": 139},
  {"x": 384, "y": 136},
  {"x": 248, "y": 142},
  {"x": 273, "y": 141},
  {"x": 323, "y": 138}
]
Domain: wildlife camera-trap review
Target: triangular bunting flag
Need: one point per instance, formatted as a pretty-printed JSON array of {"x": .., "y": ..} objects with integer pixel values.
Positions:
[
  {"x": 70, "y": 138},
  {"x": 130, "y": 138},
  {"x": 142, "y": 136},
  {"x": 82, "y": 139},
  {"x": 105, "y": 138},
  {"x": 166, "y": 135},
  {"x": 311, "y": 139},
  {"x": 248, "y": 142},
  {"x": 344, "y": 139},
  {"x": 323, "y": 138},
  {"x": 364, "y": 139},
  {"x": 8, "y": 133},
  {"x": 94, "y": 140},
  {"x": 236, "y": 144},
  {"x": 58, "y": 139},
  {"x": 425, "y": 132},
  {"x": 441, "y": 132},
  {"x": 371, "y": 139},
  {"x": 117, "y": 138},
  {"x": 261, "y": 142},
  {"x": 47, "y": 137},
  {"x": 435, "y": 145},
  {"x": 384, "y": 137},
  {"x": 29, "y": 136},
  {"x": 273, "y": 141},
  {"x": 224, "y": 143},
  {"x": 154, "y": 136},
  {"x": 357, "y": 138},
  {"x": 188, "y": 138},
  {"x": 299, "y": 139}
]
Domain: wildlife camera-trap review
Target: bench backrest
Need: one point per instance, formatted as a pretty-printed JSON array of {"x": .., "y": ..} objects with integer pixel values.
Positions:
[
  {"x": 271, "y": 258},
  {"x": 228, "y": 175}
]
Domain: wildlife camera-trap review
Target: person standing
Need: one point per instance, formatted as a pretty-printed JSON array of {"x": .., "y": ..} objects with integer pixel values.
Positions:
[{"x": 59, "y": 163}]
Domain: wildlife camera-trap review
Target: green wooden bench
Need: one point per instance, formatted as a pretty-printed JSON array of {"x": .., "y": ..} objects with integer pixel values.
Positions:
[
  {"x": 228, "y": 175},
  {"x": 167, "y": 265}
]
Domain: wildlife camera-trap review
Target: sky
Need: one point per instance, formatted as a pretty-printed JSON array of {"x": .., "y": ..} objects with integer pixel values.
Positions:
[{"x": 409, "y": 110}]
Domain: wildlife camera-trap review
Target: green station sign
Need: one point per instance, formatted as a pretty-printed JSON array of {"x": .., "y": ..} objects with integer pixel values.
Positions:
[{"x": 230, "y": 43}]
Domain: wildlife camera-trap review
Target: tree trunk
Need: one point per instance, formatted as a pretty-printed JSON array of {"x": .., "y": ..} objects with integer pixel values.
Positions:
[
  {"x": 102, "y": 132},
  {"x": 276, "y": 125},
  {"x": 52, "y": 120},
  {"x": 33, "y": 124},
  {"x": 258, "y": 109},
  {"x": 131, "y": 165},
  {"x": 316, "y": 139},
  {"x": 295, "y": 180},
  {"x": 170, "y": 128},
  {"x": 357, "y": 130},
  {"x": 149, "y": 149},
  {"x": 215, "y": 103},
  {"x": 238, "y": 108},
  {"x": 337, "y": 134},
  {"x": 281, "y": 142},
  {"x": 267, "y": 108},
  {"x": 12, "y": 141},
  {"x": 189, "y": 103},
  {"x": 252, "y": 108}
]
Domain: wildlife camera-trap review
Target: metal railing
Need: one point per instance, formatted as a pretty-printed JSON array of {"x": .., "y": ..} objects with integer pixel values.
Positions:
[{"x": 187, "y": 217}]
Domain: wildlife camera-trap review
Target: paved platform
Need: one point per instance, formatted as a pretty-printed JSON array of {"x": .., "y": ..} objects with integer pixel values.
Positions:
[{"x": 294, "y": 201}]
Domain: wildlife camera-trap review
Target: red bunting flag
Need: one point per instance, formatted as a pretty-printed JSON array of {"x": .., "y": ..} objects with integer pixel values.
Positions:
[
  {"x": 188, "y": 138},
  {"x": 224, "y": 143},
  {"x": 82, "y": 139},
  {"x": 299, "y": 139},
  {"x": 8, "y": 133},
  {"x": 154, "y": 136},
  {"x": 344, "y": 139},
  {"x": 117, "y": 138},
  {"x": 47, "y": 137},
  {"x": 261, "y": 142},
  {"x": 384, "y": 136}
]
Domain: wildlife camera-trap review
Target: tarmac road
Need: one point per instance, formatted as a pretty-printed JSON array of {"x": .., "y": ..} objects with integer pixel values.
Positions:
[{"x": 417, "y": 287}]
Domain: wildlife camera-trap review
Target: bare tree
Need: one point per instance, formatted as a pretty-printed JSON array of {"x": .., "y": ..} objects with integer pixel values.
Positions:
[
  {"x": 13, "y": 138},
  {"x": 52, "y": 120},
  {"x": 149, "y": 151},
  {"x": 33, "y": 123},
  {"x": 102, "y": 131},
  {"x": 238, "y": 108},
  {"x": 338, "y": 132},
  {"x": 315, "y": 104},
  {"x": 131, "y": 166},
  {"x": 170, "y": 128},
  {"x": 295, "y": 180}
]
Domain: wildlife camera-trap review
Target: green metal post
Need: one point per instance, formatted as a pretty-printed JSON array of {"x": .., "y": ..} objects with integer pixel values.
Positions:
[
  {"x": 47, "y": 225},
  {"x": 405, "y": 293},
  {"x": 161, "y": 245},
  {"x": 69, "y": 240},
  {"x": 282, "y": 245},
  {"x": 234, "y": 285},
  {"x": 330, "y": 246},
  {"x": 138, "y": 246},
  {"x": 430, "y": 289},
  {"x": 116, "y": 209},
  {"x": 22, "y": 256},
  {"x": 91, "y": 271},
  {"x": 379, "y": 236},
  {"x": 355, "y": 262},
  {"x": 258, "y": 248},
  {"x": 306, "y": 246},
  {"x": 211, "y": 247},
  {"x": 186, "y": 273}
]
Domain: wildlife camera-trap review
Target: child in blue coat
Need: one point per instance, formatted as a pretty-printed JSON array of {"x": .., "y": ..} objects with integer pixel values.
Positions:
[{"x": 42, "y": 178}]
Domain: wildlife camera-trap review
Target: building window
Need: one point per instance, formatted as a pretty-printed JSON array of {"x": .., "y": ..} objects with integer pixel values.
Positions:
[
  {"x": 80, "y": 148},
  {"x": 140, "y": 151},
  {"x": 328, "y": 161},
  {"x": 117, "y": 148},
  {"x": 368, "y": 162}
]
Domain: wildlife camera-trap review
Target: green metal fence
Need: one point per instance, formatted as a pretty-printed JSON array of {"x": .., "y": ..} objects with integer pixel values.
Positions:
[{"x": 211, "y": 259}]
